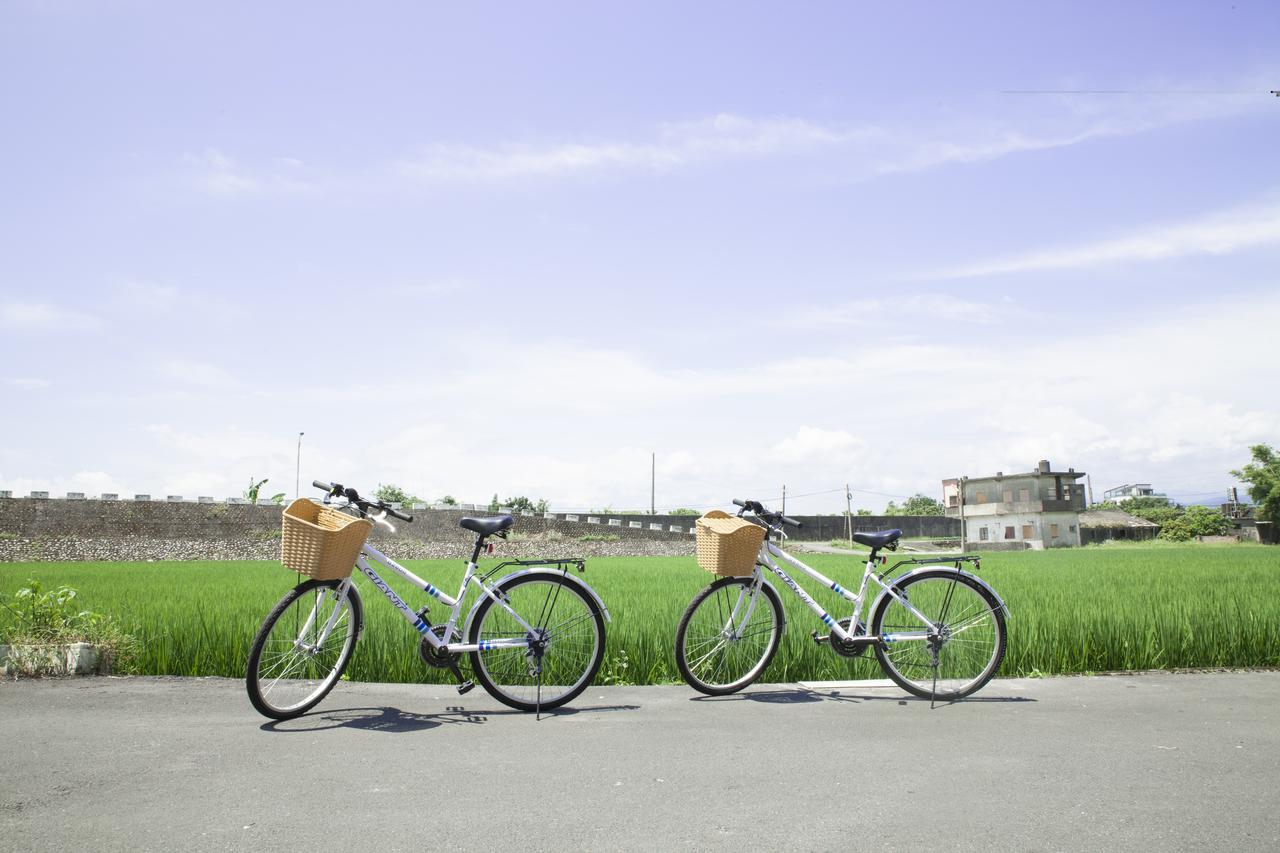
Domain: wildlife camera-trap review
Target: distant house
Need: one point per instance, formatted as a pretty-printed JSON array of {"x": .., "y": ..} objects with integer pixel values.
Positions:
[
  {"x": 1099, "y": 525},
  {"x": 1129, "y": 491},
  {"x": 1037, "y": 509}
]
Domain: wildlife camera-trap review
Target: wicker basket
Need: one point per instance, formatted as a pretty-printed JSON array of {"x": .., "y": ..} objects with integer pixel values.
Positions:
[
  {"x": 728, "y": 545},
  {"x": 320, "y": 542}
]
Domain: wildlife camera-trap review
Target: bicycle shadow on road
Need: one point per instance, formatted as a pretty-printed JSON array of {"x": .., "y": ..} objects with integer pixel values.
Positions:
[
  {"x": 804, "y": 695},
  {"x": 395, "y": 720}
]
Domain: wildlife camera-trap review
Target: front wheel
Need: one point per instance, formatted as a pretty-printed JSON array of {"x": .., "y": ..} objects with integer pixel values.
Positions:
[
  {"x": 963, "y": 649},
  {"x": 302, "y": 648},
  {"x": 568, "y": 629},
  {"x": 728, "y": 635}
]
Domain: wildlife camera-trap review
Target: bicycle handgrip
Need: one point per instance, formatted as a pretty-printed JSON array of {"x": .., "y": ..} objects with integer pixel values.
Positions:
[
  {"x": 790, "y": 521},
  {"x": 319, "y": 485},
  {"x": 400, "y": 515},
  {"x": 737, "y": 502}
]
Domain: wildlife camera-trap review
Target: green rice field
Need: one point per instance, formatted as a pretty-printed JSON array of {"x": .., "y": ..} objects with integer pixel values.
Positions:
[{"x": 1072, "y": 611}]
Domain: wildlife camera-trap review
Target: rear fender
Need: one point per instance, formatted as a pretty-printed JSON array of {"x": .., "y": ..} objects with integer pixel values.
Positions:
[
  {"x": 894, "y": 584},
  {"x": 580, "y": 586}
]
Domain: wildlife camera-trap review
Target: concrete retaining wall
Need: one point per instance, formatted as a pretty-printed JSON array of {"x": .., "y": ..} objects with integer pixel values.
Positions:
[{"x": 43, "y": 529}]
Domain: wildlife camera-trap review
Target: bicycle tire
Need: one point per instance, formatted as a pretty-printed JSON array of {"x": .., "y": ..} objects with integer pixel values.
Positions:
[
  {"x": 701, "y": 674},
  {"x": 912, "y": 665},
  {"x": 576, "y": 638},
  {"x": 275, "y": 650}
]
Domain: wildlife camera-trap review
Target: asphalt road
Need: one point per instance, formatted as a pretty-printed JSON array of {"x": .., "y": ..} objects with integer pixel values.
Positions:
[{"x": 1160, "y": 761}]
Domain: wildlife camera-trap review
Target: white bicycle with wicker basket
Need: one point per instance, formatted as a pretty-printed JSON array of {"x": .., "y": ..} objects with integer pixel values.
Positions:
[
  {"x": 938, "y": 632},
  {"x": 535, "y": 637}
]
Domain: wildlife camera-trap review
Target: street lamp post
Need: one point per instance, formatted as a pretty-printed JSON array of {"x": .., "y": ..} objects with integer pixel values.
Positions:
[{"x": 297, "y": 474}]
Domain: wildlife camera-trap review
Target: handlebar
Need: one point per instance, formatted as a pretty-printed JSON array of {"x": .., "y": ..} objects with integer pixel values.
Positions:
[
  {"x": 337, "y": 490},
  {"x": 767, "y": 515}
]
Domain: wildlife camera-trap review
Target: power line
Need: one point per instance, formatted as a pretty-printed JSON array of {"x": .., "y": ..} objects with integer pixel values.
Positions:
[{"x": 1275, "y": 92}]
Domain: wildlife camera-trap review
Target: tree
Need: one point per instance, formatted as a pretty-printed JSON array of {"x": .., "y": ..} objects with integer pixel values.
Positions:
[
  {"x": 863, "y": 512},
  {"x": 684, "y": 511},
  {"x": 1194, "y": 521},
  {"x": 251, "y": 493},
  {"x": 393, "y": 494},
  {"x": 1263, "y": 477},
  {"x": 892, "y": 509},
  {"x": 494, "y": 506},
  {"x": 1156, "y": 510},
  {"x": 919, "y": 504},
  {"x": 523, "y": 504},
  {"x": 449, "y": 500}
]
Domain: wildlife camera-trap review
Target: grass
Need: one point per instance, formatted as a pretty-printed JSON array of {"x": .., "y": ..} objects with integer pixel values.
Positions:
[{"x": 1158, "y": 606}]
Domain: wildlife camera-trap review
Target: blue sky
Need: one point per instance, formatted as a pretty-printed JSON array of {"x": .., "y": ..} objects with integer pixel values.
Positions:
[{"x": 512, "y": 248}]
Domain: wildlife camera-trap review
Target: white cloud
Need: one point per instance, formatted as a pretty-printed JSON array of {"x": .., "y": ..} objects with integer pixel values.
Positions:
[
  {"x": 26, "y": 383},
  {"x": 808, "y": 444},
  {"x": 676, "y": 145},
  {"x": 915, "y": 309},
  {"x": 146, "y": 295},
  {"x": 198, "y": 373},
  {"x": 1217, "y": 234},
  {"x": 846, "y": 150},
  {"x": 214, "y": 173},
  {"x": 42, "y": 317}
]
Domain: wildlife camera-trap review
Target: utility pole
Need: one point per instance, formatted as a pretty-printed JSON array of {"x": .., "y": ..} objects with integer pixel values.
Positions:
[
  {"x": 1088, "y": 479},
  {"x": 962, "y": 524},
  {"x": 653, "y": 482},
  {"x": 848, "y": 513},
  {"x": 297, "y": 473},
  {"x": 784, "y": 499}
]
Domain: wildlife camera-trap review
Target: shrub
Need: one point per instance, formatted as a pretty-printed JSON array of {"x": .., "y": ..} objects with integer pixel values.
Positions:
[
  {"x": 1195, "y": 521},
  {"x": 36, "y": 617}
]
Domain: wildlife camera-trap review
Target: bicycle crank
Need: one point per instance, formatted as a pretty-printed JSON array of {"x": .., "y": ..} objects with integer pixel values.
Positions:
[
  {"x": 437, "y": 656},
  {"x": 441, "y": 659},
  {"x": 851, "y": 648}
]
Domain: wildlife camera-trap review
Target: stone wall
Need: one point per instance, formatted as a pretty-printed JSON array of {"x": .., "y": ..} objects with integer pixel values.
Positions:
[
  {"x": 42, "y": 529},
  {"x": 34, "y": 529}
]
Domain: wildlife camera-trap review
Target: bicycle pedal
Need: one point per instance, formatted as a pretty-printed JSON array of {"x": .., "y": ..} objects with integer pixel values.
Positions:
[
  {"x": 465, "y": 686},
  {"x": 820, "y": 638}
]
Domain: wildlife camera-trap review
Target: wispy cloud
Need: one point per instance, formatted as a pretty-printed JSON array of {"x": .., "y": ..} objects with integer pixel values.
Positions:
[
  {"x": 913, "y": 309},
  {"x": 214, "y": 173},
  {"x": 42, "y": 317},
  {"x": 198, "y": 373},
  {"x": 848, "y": 150},
  {"x": 25, "y": 383},
  {"x": 676, "y": 145},
  {"x": 1218, "y": 234}
]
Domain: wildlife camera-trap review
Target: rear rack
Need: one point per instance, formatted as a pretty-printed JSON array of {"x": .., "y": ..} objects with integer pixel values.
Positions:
[
  {"x": 563, "y": 564},
  {"x": 937, "y": 561}
]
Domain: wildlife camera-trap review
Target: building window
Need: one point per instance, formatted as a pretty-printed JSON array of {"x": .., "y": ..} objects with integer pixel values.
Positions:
[
  {"x": 952, "y": 500},
  {"x": 1028, "y": 532},
  {"x": 1008, "y": 496},
  {"x": 1072, "y": 528},
  {"x": 982, "y": 534},
  {"x": 980, "y": 498},
  {"x": 1024, "y": 495},
  {"x": 1053, "y": 530},
  {"x": 1008, "y": 533}
]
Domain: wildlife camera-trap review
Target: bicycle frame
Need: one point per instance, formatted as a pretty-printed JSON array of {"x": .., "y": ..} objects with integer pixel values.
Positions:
[
  {"x": 420, "y": 625},
  {"x": 769, "y": 550}
]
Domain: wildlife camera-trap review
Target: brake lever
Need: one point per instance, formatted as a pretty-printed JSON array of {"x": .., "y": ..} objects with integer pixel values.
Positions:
[{"x": 381, "y": 518}]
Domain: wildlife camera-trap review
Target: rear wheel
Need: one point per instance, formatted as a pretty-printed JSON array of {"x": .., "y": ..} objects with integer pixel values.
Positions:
[
  {"x": 568, "y": 628},
  {"x": 728, "y": 635},
  {"x": 298, "y": 655},
  {"x": 961, "y": 653}
]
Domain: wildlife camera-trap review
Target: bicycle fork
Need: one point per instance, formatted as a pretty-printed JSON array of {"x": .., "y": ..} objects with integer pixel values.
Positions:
[{"x": 339, "y": 602}]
